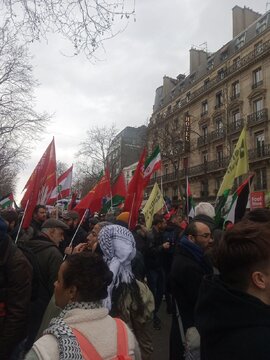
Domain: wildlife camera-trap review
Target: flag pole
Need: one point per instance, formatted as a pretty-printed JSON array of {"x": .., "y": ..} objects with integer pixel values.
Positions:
[
  {"x": 24, "y": 213},
  {"x": 131, "y": 211},
  {"x": 187, "y": 200},
  {"x": 73, "y": 237}
]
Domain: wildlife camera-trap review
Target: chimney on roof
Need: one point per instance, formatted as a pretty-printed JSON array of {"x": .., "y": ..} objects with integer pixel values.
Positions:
[
  {"x": 242, "y": 18},
  {"x": 196, "y": 58}
]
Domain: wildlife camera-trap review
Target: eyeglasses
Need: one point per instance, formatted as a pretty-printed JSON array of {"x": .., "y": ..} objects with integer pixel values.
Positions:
[{"x": 205, "y": 235}]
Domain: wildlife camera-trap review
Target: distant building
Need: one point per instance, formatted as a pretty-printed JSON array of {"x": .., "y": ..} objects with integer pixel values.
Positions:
[
  {"x": 209, "y": 107},
  {"x": 129, "y": 171},
  {"x": 126, "y": 148}
]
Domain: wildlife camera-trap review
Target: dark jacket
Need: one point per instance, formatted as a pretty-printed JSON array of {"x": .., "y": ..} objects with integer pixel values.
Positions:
[
  {"x": 79, "y": 238},
  {"x": 154, "y": 252},
  {"x": 233, "y": 325},
  {"x": 49, "y": 260},
  {"x": 185, "y": 278},
  {"x": 15, "y": 292}
]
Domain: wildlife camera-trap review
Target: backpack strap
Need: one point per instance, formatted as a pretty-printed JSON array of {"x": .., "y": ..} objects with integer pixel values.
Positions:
[
  {"x": 122, "y": 340},
  {"x": 87, "y": 349}
]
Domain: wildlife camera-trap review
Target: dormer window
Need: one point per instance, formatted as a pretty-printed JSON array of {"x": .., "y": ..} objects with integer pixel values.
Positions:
[
  {"x": 210, "y": 64},
  {"x": 240, "y": 41},
  {"x": 261, "y": 25}
]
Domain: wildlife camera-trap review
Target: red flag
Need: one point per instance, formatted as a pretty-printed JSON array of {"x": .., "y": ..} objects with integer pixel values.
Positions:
[
  {"x": 40, "y": 184},
  {"x": 72, "y": 203},
  {"x": 135, "y": 192},
  {"x": 119, "y": 188},
  {"x": 96, "y": 196}
]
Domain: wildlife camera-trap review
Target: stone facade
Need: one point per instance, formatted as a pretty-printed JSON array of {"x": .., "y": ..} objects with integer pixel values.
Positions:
[{"x": 208, "y": 108}]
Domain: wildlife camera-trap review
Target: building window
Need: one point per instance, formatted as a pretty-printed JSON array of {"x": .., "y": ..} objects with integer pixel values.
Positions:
[
  {"x": 210, "y": 64},
  {"x": 185, "y": 163},
  {"x": 260, "y": 179},
  {"x": 221, "y": 74},
  {"x": 224, "y": 55},
  {"x": 188, "y": 96},
  {"x": 204, "y": 132},
  {"x": 236, "y": 120},
  {"x": 204, "y": 107},
  {"x": 261, "y": 25},
  {"x": 206, "y": 83},
  {"x": 204, "y": 188},
  {"x": 204, "y": 157},
  {"x": 235, "y": 89},
  {"x": 257, "y": 105},
  {"x": 259, "y": 144},
  {"x": 257, "y": 77},
  {"x": 218, "y": 183},
  {"x": 258, "y": 48},
  {"x": 220, "y": 155},
  {"x": 219, "y": 99},
  {"x": 219, "y": 125},
  {"x": 240, "y": 41},
  {"x": 237, "y": 62}
]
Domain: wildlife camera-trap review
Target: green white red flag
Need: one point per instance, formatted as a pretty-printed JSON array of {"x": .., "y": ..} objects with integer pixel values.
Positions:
[
  {"x": 62, "y": 190},
  {"x": 6, "y": 201},
  {"x": 152, "y": 164}
]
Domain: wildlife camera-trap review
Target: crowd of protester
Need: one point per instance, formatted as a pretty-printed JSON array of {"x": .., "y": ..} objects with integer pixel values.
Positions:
[{"x": 72, "y": 289}]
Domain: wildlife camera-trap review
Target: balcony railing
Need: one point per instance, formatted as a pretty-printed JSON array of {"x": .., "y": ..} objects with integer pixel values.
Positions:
[
  {"x": 217, "y": 135},
  {"x": 234, "y": 68},
  {"x": 257, "y": 84},
  {"x": 203, "y": 140},
  {"x": 258, "y": 117},
  {"x": 259, "y": 153},
  {"x": 235, "y": 126},
  {"x": 209, "y": 167}
]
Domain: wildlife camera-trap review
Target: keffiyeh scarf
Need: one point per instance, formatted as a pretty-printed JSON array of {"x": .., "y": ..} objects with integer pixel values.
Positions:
[
  {"x": 118, "y": 246},
  {"x": 67, "y": 342}
]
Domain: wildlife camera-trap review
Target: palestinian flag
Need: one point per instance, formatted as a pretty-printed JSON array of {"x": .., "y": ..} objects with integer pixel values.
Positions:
[
  {"x": 152, "y": 164},
  {"x": 190, "y": 206},
  {"x": 239, "y": 202},
  {"x": 119, "y": 192},
  {"x": 6, "y": 201}
]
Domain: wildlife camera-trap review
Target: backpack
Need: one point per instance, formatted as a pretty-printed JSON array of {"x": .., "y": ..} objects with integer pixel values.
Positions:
[{"x": 89, "y": 352}]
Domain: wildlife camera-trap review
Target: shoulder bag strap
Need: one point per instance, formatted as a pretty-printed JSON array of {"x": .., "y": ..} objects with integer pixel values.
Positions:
[
  {"x": 87, "y": 349},
  {"x": 122, "y": 339}
]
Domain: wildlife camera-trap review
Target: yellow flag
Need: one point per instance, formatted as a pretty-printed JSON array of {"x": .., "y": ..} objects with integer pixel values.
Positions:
[
  {"x": 153, "y": 205},
  {"x": 238, "y": 164}
]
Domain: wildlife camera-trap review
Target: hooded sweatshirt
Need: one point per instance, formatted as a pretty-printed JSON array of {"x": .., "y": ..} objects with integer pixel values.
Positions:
[{"x": 233, "y": 325}]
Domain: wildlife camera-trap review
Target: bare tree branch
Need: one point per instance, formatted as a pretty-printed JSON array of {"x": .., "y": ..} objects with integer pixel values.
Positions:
[{"x": 85, "y": 23}]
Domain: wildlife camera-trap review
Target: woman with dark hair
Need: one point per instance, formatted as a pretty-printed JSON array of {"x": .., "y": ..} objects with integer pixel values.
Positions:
[
  {"x": 84, "y": 328},
  {"x": 128, "y": 298}
]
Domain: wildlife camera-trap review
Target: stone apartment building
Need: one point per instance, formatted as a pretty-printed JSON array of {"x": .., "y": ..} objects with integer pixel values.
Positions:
[
  {"x": 126, "y": 148},
  {"x": 208, "y": 108}
]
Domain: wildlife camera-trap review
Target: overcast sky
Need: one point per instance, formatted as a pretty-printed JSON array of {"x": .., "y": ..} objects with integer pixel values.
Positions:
[{"x": 121, "y": 88}]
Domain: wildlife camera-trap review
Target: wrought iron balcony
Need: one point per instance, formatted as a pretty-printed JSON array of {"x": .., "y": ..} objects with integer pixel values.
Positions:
[
  {"x": 235, "y": 126},
  {"x": 257, "y": 84},
  {"x": 203, "y": 140},
  {"x": 259, "y": 153},
  {"x": 217, "y": 135},
  {"x": 258, "y": 117}
]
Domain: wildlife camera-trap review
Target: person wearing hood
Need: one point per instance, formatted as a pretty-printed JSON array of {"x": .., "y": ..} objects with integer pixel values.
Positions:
[{"x": 233, "y": 309}]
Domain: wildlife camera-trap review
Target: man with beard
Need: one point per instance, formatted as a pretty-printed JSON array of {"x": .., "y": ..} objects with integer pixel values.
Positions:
[{"x": 72, "y": 219}]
